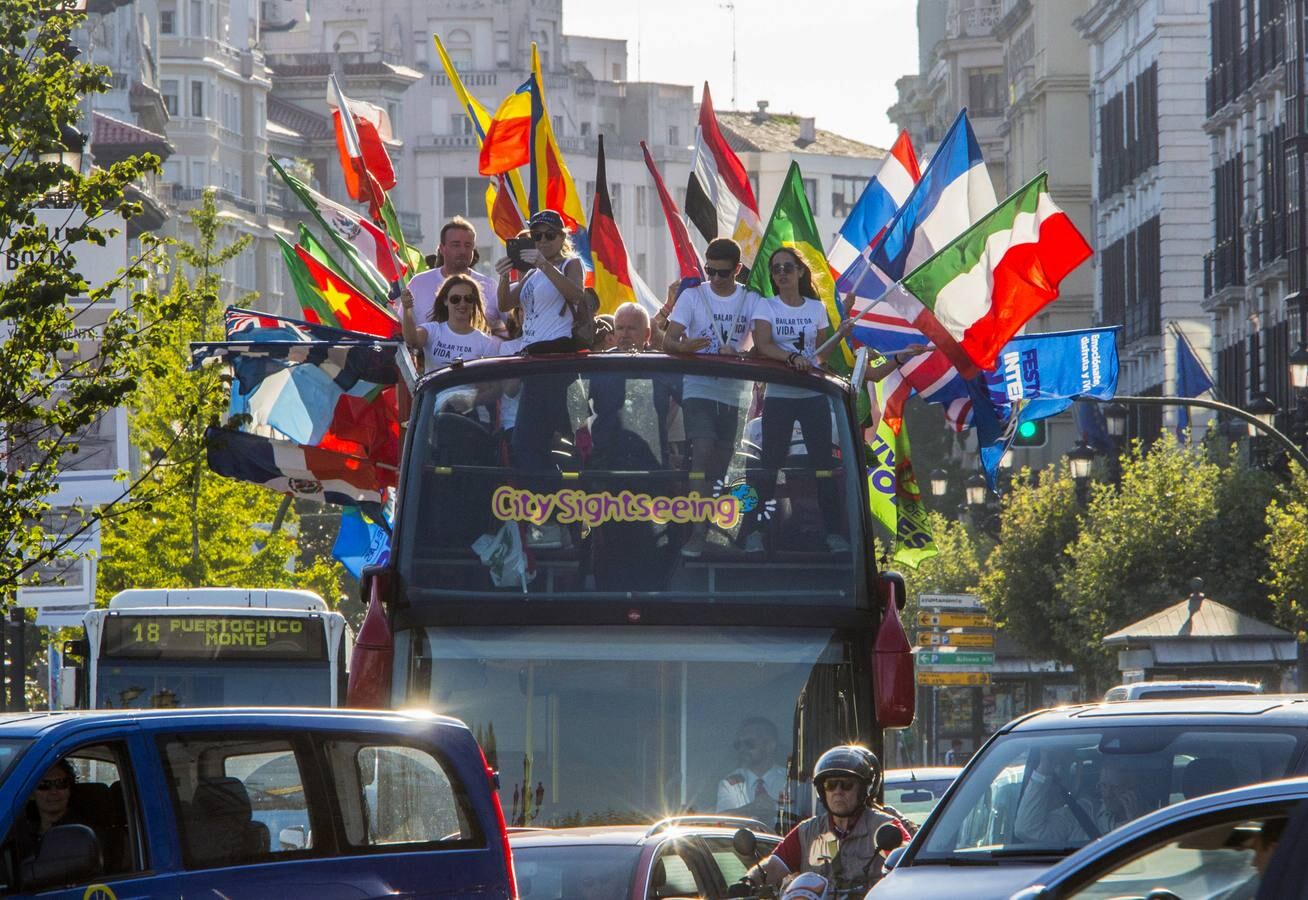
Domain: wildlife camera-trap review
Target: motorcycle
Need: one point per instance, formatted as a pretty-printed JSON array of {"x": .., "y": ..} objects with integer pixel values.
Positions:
[{"x": 807, "y": 885}]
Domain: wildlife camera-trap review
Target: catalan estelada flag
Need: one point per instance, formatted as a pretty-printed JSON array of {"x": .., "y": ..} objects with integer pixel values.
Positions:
[
  {"x": 613, "y": 281},
  {"x": 338, "y": 303},
  {"x": 551, "y": 183}
]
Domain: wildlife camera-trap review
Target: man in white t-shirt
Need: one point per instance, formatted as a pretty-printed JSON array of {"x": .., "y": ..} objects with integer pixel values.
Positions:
[
  {"x": 715, "y": 317},
  {"x": 456, "y": 251}
]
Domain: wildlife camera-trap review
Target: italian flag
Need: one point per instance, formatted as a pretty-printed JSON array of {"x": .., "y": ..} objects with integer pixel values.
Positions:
[{"x": 978, "y": 290}]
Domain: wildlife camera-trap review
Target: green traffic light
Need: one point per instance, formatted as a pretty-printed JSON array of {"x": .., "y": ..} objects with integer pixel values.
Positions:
[{"x": 1026, "y": 430}]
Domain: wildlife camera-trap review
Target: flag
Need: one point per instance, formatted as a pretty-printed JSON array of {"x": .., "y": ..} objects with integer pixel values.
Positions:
[
  {"x": 872, "y": 212},
  {"x": 337, "y": 303},
  {"x": 301, "y": 281},
  {"x": 974, "y": 294},
  {"x": 288, "y": 468},
  {"x": 1192, "y": 378},
  {"x": 361, "y": 184},
  {"x": 360, "y": 145},
  {"x": 551, "y": 183},
  {"x": 792, "y": 226},
  {"x": 934, "y": 378},
  {"x": 613, "y": 282},
  {"x": 507, "y": 144},
  {"x": 504, "y": 215},
  {"x": 360, "y": 542},
  {"x": 362, "y": 243},
  {"x": 318, "y": 251},
  {"x": 688, "y": 264},
  {"x": 894, "y": 494},
  {"x": 720, "y": 200},
  {"x": 252, "y": 325},
  {"x": 953, "y": 192},
  {"x": 481, "y": 122}
]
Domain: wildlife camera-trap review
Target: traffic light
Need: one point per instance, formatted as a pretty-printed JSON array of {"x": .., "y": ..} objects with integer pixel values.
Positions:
[{"x": 1031, "y": 434}]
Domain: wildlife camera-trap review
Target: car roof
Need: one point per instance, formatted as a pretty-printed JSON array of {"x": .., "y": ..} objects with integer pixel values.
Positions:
[
  {"x": 922, "y": 773},
  {"x": 37, "y": 724},
  {"x": 1205, "y": 710},
  {"x": 611, "y": 835}
]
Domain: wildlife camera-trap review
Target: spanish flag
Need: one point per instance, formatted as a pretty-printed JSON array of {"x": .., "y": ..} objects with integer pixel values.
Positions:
[{"x": 613, "y": 281}]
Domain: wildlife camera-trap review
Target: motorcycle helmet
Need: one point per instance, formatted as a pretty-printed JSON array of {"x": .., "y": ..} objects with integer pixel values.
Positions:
[{"x": 852, "y": 760}]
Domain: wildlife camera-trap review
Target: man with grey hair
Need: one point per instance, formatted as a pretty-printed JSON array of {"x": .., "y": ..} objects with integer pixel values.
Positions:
[{"x": 631, "y": 327}]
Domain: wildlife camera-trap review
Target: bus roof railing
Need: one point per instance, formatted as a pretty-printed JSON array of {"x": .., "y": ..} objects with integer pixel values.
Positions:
[
  {"x": 722, "y": 821},
  {"x": 233, "y": 598}
]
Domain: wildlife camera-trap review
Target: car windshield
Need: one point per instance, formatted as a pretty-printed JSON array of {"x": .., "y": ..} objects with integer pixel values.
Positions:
[
  {"x": 582, "y": 481},
  {"x": 131, "y": 684},
  {"x": 916, "y": 799},
  {"x": 1048, "y": 793},
  {"x": 591, "y": 726},
  {"x": 579, "y": 871}
]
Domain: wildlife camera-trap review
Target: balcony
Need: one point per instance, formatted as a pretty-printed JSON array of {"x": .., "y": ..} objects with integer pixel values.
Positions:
[
  {"x": 978, "y": 20},
  {"x": 1224, "y": 265},
  {"x": 1232, "y": 75}
]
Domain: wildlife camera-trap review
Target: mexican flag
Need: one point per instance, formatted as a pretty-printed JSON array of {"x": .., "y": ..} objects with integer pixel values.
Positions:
[
  {"x": 978, "y": 290},
  {"x": 792, "y": 226}
]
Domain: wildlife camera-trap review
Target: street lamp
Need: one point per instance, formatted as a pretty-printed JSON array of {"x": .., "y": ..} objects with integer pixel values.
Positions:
[
  {"x": 1080, "y": 458},
  {"x": 1299, "y": 367},
  {"x": 975, "y": 488},
  {"x": 1264, "y": 410},
  {"x": 1115, "y": 415},
  {"x": 939, "y": 482},
  {"x": 69, "y": 151}
]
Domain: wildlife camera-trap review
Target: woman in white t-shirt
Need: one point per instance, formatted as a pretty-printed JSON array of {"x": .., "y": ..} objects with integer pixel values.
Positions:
[
  {"x": 458, "y": 326},
  {"x": 790, "y": 327}
]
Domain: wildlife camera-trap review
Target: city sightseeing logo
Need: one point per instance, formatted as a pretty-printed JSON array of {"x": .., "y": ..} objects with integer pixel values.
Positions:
[
  {"x": 568, "y": 507},
  {"x": 746, "y": 496}
]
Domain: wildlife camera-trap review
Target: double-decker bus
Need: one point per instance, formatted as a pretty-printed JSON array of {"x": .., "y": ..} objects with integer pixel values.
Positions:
[
  {"x": 608, "y": 675},
  {"x": 192, "y": 647}
]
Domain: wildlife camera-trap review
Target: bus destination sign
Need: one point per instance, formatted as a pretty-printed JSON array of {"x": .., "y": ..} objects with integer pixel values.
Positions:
[{"x": 214, "y": 637}]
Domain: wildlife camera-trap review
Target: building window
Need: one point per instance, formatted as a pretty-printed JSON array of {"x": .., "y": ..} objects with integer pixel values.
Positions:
[
  {"x": 642, "y": 214},
  {"x": 810, "y": 192},
  {"x": 167, "y": 20},
  {"x": 197, "y": 99},
  {"x": 169, "y": 88},
  {"x": 557, "y": 122},
  {"x": 461, "y": 196},
  {"x": 674, "y": 136},
  {"x": 984, "y": 92},
  {"x": 195, "y": 19},
  {"x": 460, "y": 124},
  {"x": 585, "y": 129},
  {"x": 615, "y": 199},
  {"x": 458, "y": 44},
  {"x": 845, "y": 191}
]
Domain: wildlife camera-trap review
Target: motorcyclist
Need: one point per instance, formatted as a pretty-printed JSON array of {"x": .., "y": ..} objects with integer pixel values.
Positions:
[{"x": 839, "y": 843}]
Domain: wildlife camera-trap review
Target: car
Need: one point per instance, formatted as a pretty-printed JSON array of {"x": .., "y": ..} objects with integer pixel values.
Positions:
[
  {"x": 1221, "y": 845},
  {"x": 681, "y": 856},
  {"x": 1162, "y": 690},
  {"x": 1051, "y": 781},
  {"x": 915, "y": 792},
  {"x": 251, "y": 803}
]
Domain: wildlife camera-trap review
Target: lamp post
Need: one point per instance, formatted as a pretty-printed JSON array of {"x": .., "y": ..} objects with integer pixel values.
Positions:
[
  {"x": 1079, "y": 459},
  {"x": 939, "y": 479},
  {"x": 1264, "y": 410},
  {"x": 1115, "y": 417},
  {"x": 975, "y": 489}
]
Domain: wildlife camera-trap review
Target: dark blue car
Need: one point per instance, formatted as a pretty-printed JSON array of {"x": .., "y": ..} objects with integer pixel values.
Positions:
[{"x": 260, "y": 803}]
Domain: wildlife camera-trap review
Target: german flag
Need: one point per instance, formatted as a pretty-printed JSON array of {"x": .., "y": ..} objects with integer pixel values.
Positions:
[
  {"x": 338, "y": 303},
  {"x": 612, "y": 268}
]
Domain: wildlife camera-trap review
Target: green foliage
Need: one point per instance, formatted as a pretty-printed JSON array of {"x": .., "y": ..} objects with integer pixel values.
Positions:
[
  {"x": 203, "y": 530},
  {"x": 62, "y": 369},
  {"x": 955, "y": 570},
  {"x": 1286, "y": 546}
]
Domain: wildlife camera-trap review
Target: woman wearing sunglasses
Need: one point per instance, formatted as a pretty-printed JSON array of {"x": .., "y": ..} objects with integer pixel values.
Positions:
[
  {"x": 551, "y": 293},
  {"x": 457, "y": 329},
  {"x": 790, "y": 327},
  {"x": 47, "y": 807}
]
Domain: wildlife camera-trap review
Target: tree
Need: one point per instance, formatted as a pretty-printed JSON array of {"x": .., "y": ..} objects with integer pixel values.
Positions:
[
  {"x": 204, "y": 530},
  {"x": 1286, "y": 546},
  {"x": 63, "y": 369},
  {"x": 955, "y": 570}
]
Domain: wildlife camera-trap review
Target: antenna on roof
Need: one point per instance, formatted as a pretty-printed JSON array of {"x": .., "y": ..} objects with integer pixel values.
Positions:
[{"x": 730, "y": 7}]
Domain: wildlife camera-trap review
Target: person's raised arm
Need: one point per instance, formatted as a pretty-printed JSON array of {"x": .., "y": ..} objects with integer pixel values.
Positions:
[
  {"x": 506, "y": 294},
  {"x": 415, "y": 335}
]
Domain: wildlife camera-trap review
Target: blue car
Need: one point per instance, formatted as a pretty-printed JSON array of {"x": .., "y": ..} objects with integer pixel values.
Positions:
[{"x": 255, "y": 803}]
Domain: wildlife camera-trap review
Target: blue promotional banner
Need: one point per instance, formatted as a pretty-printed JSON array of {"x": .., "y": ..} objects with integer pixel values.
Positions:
[{"x": 360, "y": 542}]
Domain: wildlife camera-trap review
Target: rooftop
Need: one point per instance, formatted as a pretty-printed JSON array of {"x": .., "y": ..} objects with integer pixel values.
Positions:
[
  {"x": 766, "y": 132},
  {"x": 299, "y": 120},
  {"x": 108, "y": 130},
  {"x": 1199, "y": 617}
]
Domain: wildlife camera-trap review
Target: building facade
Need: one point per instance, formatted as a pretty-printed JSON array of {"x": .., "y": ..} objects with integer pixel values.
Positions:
[{"x": 1151, "y": 213}]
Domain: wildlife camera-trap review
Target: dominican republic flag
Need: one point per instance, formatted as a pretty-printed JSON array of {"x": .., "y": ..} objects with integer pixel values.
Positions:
[
  {"x": 954, "y": 192},
  {"x": 876, "y": 206},
  {"x": 308, "y": 472},
  {"x": 720, "y": 200}
]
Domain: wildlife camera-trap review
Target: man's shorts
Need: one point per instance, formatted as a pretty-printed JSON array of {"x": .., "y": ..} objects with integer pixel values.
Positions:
[{"x": 710, "y": 419}]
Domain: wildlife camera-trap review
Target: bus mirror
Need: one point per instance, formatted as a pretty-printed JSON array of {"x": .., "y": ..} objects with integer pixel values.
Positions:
[
  {"x": 79, "y": 648},
  {"x": 891, "y": 584},
  {"x": 382, "y": 576},
  {"x": 894, "y": 687},
  {"x": 369, "y": 684}
]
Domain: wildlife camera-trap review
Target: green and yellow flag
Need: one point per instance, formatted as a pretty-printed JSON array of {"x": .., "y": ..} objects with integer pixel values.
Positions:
[
  {"x": 895, "y": 497},
  {"x": 792, "y": 226}
]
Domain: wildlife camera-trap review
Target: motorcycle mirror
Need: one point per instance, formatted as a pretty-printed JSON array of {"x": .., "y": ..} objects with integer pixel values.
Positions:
[
  {"x": 744, "y": 843},
  {"x": 888, "y": 837}
]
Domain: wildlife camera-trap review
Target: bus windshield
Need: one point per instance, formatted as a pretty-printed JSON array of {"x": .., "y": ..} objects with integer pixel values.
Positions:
[
  {"x": 592, "y": 725},
  {"x": 146, "y": 684},
  {"x": 602, "y": 478}
]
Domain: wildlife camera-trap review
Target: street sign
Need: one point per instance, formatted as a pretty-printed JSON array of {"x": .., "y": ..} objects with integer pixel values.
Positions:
[
  {"x": 948, "y": 601},
  {"x": 955, "y": 620},
  {"x": 953, "y": 678},
  {"x": 939, "y": 639},
  {"x": 970, "y": 659}
]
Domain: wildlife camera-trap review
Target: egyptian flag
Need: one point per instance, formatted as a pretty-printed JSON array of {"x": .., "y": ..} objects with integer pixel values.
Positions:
[
  {"x": 719, "y": 198},
  {"x": 613, "y": 281}
]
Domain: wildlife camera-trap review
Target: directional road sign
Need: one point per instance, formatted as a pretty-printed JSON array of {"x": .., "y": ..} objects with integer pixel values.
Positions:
[
  {"x": 954, "y": 620},
  {"x": 949, "y": 639},
  {"x": 966, "y": 659},
  {"x": 948, "y": 601},
  {"x": 953, "y": 678}
]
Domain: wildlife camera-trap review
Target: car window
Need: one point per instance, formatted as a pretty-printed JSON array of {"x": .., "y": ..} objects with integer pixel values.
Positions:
[
  {"x": 672, "y": 874},
  {"x": 730, "y": 863},
  {"x": 237, "y": 801},
  {"x": 916, "y": 799},
  {"x": 1224, "y": 860},
  {"x": 1050, "y": 792},
  {"x": 393, "y": 794},
  {"x": 575, "y": 871},
  {"x": 90, "y": 786}
]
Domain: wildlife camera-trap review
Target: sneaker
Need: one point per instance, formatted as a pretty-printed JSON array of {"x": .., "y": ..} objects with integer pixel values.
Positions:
[
  {"x": 545, "y": 537},
  {"x": 837, "y": 544},
  {"x": 694, "y": 548},
  {"x": 754, "y": 543}
]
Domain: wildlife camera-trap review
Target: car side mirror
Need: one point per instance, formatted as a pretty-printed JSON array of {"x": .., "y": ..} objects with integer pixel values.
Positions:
[
  {"x": 888, "y": 837},
  {"x": 68, "y": 854},
  {"x": 744, "y": 843},
  {"x": 893, "y": 859},
  {"x": 293, "y": 838}
]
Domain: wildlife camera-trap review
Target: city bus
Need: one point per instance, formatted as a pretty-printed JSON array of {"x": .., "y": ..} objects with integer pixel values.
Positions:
[
  {"x": 190, "y": 647},
  {"x": 608, "y": 675}
]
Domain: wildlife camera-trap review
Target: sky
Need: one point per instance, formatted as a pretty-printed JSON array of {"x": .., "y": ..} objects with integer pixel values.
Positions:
[{"x": 836, "y": 60}]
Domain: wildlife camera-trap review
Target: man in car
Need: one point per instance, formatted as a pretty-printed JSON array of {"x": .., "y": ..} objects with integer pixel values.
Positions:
[
  {"x": 839, "y": 844},
  {"x": 1050, "y": 815}
]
